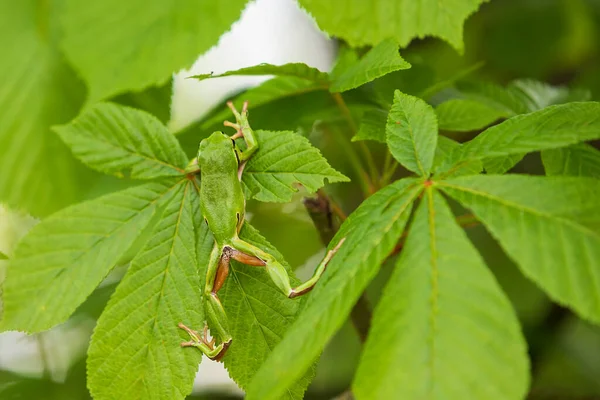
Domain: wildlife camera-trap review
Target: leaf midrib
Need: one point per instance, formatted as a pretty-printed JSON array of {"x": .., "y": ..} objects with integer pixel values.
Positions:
[
  {"x": 554, "y": 218},
  {"x": 99, "y": 138},
  {"x": 262, "y": 332},
  {"x": 509, "y": 204},
  {"x": 166, "y": 272},
  {"x": 153, "y": 318},
  {"x": 434, "y": 285}
]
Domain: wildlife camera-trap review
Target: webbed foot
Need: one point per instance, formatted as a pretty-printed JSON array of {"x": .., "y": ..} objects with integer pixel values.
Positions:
[
  {"x": 202, "y": 343},
  {"x": 241, "y": 123}
]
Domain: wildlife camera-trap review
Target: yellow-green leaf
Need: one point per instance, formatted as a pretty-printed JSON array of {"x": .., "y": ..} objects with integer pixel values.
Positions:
[
  {"x": 548, "y": 225},
  {"x": 442, "y": 322}
]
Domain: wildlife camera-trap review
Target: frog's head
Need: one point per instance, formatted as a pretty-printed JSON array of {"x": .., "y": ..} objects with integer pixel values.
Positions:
[
  {"x": 216, "y": 148},
  {"x": 215, "y": 141}
]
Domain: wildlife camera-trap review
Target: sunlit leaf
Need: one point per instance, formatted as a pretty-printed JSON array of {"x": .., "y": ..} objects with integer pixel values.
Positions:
[
  {"x": 466, "y": 115},
  {"x": 508, "y": 102},
  {"x": 64, "y": 257},
  {"x": 259, "y": 316},
  {"x": 371, "y": 233},
  {"x": 445, "y": 148},
  {"x": 553, "y": 127},
  {"x": 123, "y": 141},
  {"x": 283, "y": 160},
  {"x": 372, "y": 126},
  {"x": 38, "y": 90},
  {"x": 297, "y": 70},
  {"x": 577, "y": 160},
  {"x": 363, "y": 23},
  {"x": 412, "y": 132},
  {"x": 135, "y": 351},
  {"x": 548, "y": 226},
  {"x": 121, "y": 46},
  {"x": 379, "y": 61},
  {"x": 429, "y": 338}
]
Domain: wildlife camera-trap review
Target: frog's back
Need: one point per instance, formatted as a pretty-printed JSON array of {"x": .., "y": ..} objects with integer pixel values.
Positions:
[{"x": 221, "y": 195}]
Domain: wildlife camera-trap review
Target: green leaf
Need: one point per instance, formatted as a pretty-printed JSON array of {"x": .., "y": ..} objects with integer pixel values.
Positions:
[
  {"x": 372, "y": 126},
  {"x": 64, "y": 257},
  {"x": 297, "y": 70},
  {"x": 284, "y": 159},
  {"x": 548, "y": 226},
  {"x": 22, "y": 387},
  {"x": 552, "y": 127},
  {"x": 38, "y": 90},
  {"x": 259, "y": 315},
  {"x": 155, "y": 100},
  {"x": 135, "y": 351},
  {"x": 363, "y": 23},
  {"x": 432, "y": 85},
  {"x": 123, "y": 141},
  {"x": 95, "y": 304},
  {"x": 127, "y": 46},
  {"x": 412, "y": 133},
  {"x": 464, "y": 115},
  {"x": 521, "y": 96},
  {"x": 577, "y": 160},
  {"x": 371, "y": 233},
  {"x": 508, "y": 102},
  {"x": 429, "y": 339},
  {"x": 501, "y": 165},
  {"x": 379, "y": 61},
  {"x": 445, "y": 148},
  {"x": 272, "y": 90},
  {"x": 537, "y": 95},
  {"x": 346, "y": 57}
]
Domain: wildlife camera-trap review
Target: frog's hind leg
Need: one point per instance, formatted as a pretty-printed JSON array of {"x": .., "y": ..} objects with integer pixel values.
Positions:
[
  {"x": 218, "y": 269},
  {"x": 251, "y": 255}
]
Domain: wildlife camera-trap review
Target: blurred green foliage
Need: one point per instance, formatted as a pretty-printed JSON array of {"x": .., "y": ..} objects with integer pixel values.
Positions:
[{"x": 555, "y": 41}]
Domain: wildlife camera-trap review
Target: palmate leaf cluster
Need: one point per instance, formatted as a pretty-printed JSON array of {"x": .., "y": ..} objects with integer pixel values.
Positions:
[
  {"x": 443, "y": 328},
  {"x": 547, "y": 225},
  {"x": 443, "y": 321},
  {"x": 136, "y": 342}
]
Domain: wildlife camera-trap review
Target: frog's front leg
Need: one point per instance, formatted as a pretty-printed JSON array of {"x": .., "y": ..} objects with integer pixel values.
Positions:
[
  {"x": 218, "y": 269},
  {"x": 276, "y": 271},
  {"x": 242, "y": 126}
]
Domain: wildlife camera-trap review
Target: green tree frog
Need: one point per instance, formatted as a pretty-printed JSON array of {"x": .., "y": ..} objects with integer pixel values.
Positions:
[{"x": 220, "y": 163}]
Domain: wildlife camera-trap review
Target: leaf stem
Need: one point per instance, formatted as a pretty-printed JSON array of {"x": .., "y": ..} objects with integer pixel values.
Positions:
[
  {"x": 389, "y": 173},
  {"x": 365, "y": 183},
  {"x": 341, "y": 103},
  {"x": 321, "y": 213},
  {"x": 337, "y": 210},
  {"x": 465, "y": 221},
  {"x": 388, "y": 161},
  {"x": 389, "y": 168}
]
